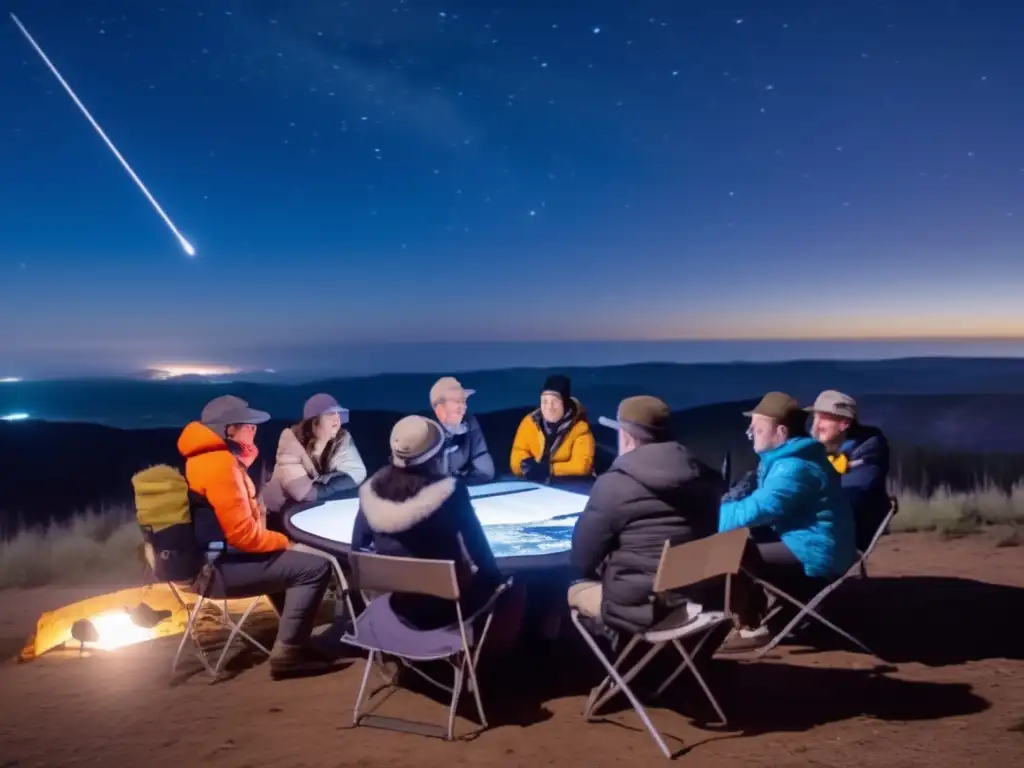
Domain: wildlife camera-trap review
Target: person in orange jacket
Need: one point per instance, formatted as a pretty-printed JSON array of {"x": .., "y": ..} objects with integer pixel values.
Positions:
[
  {"x": 218, "y": 451},
  {"x": 554, "y": 440}
]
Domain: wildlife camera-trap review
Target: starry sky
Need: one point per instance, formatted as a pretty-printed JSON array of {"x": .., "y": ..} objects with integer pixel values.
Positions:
[{"x": 481, "y": 170}]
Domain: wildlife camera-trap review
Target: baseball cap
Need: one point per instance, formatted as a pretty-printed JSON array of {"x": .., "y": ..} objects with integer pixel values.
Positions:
[
  {"x": 642, "y": 416},
  {"x": 775, "y": 405},
  {"x": 320, "y": 404},
  {"x": 415, "y": 440},
  {"x": 448, "y": 386},
  {"x": 228, "y": 409},
  {"x": 836, "y": 403}
]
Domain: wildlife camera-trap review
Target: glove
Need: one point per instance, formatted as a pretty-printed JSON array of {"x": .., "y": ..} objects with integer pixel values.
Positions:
[
  {"x": 340, "y": 482},
  {"x": 745, "y": 486},
  {"x": 533, "y": 471}
]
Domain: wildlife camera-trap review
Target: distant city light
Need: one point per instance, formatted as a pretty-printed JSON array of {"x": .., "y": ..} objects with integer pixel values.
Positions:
[
  {"x": 14, "y": 417},
  {"x": 9, "y": 380},
  {"x": 174, "y": 371}
]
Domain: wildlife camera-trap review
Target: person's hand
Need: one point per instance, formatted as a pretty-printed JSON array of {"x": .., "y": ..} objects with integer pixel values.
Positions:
[
  {"x": 326, "y": 478},
  {"x": 527, "y": 465},
  {"x": 535, "y": 472},
  {"x": 743, "y": 487}
]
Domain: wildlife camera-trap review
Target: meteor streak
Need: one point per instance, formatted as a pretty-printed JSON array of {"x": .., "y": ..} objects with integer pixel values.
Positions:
[{"x": 185, "y": 244}]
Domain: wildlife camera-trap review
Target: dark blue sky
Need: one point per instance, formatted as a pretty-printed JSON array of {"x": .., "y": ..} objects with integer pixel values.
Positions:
[{"x": 470, "y": 170}]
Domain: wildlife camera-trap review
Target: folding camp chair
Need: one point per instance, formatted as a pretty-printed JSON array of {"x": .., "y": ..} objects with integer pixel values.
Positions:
[
  {"x": 680, "y": 566},
  {"x": 809, "y": 609},
  {"x": 380, "y": 631},
  {"x": 202, "y": 599},
  {"x": 894, "y": 508}
]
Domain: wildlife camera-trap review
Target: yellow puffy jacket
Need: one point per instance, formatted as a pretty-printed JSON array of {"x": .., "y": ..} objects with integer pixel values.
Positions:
[{"x": 572, "y": 455}]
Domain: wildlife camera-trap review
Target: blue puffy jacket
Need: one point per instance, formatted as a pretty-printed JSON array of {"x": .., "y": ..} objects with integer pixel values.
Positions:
[{"x": 799, "y": 495}]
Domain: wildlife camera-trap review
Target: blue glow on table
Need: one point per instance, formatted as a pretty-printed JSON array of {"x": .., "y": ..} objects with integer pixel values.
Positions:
[{"x": 519, "y": 518}]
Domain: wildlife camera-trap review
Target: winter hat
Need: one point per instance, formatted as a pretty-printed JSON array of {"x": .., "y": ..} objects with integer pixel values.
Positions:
[
  {"x": 415, "y": 440},
  {"x": 559, "y": 385}
]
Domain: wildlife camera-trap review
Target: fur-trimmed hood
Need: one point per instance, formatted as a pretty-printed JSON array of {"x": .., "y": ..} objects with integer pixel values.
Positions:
[{"x": 391, "y": 517}]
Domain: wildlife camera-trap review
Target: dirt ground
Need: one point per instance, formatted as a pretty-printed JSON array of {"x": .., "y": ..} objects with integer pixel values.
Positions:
[{"x": 940, "y": 612}]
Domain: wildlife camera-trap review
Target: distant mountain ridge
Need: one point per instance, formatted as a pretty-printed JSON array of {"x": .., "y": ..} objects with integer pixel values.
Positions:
[
  {"x": 136, "y": 403},
  {"x": 50, "y": 470}
]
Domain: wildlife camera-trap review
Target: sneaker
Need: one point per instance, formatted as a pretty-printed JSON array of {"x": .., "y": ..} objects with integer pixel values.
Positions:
[
  {"x": 743, "y": 640},
  {"x": 289, "y": 661}
]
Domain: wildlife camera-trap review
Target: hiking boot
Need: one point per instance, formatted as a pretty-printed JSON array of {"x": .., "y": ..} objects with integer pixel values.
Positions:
[
  {"x": 744, "y": 640},
  {"x": 288, "y": 661}
]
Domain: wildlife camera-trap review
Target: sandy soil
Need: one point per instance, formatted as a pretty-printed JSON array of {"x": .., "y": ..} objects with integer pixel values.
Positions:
[{"x": 941, "y": 612}]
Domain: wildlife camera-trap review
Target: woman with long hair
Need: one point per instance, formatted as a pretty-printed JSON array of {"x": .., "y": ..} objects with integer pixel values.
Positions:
[{"x": 317, "y": 459}]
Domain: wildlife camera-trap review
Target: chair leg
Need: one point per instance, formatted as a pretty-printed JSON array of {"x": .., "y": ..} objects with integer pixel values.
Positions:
[
  {"x": 687, "y": 659},
  {"x": 808, "y": 610},
  {"x": 190, "y": 634},
  {"x": 236, "y": 629},
  {"x": 630, "y": 674},
  {"x": 456, "y": 693},
  {"x": 362, "y": 687},
  {"x": 470, "y": 665},
  {"x": 688, "y": 663},
  {"x": 598, "y": 693},
  {"x": 612, "y": 672}
]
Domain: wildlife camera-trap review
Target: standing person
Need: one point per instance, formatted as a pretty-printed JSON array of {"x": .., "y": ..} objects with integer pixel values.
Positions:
[
  {"x": 555, "y": 439},
  {"x": 218, "y": 451},
  {"x": 465, "y": 452}
]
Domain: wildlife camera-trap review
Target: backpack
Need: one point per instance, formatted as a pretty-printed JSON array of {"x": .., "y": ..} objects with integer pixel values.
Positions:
[{"x": 163, "y": 506}]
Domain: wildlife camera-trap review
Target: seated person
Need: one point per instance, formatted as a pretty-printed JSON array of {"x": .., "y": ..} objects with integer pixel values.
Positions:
[
  {"x": 411, "y": 509},
  {"x": 860, "y": 454},
  {"x": 555, "y": 440},
  {"x": 218, "y": 450},
  {"x": 316, "y": 459},
  {"x": 797, "y": 514},
  {"x": 654, "y": 492},
  {"x": 465, "y": 450}
]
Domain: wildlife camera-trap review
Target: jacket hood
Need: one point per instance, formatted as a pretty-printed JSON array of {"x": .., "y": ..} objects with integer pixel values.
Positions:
[
  {"x": 660, "y": 467},
  {"x": 798, "y": 447},
  {"x": 392, "y": 517},
  {"x": 198, "y": 438}
]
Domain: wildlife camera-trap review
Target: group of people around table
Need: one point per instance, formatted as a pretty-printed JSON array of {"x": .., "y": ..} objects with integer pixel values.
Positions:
[{"x": 813, "y": 501}]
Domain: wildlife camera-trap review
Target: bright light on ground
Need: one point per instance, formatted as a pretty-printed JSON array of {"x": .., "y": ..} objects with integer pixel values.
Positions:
[
  {"x": 14, "y": 417},
  {"x": 116, "y": 630}
]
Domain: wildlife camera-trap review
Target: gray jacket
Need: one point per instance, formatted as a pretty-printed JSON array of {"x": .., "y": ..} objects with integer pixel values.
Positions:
[
  {"x": 465, "y": 452},
  {"x": 653, "y": 494}
]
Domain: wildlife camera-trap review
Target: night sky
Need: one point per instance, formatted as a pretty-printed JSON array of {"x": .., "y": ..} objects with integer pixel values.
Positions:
[{"x": 474, "y": 170}]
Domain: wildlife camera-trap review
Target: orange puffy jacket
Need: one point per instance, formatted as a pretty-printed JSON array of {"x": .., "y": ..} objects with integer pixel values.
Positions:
[{"x": 215, "y": 473}]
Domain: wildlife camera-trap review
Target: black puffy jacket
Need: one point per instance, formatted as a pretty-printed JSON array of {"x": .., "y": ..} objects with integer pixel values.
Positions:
[{"x": 653, "y": 494}]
